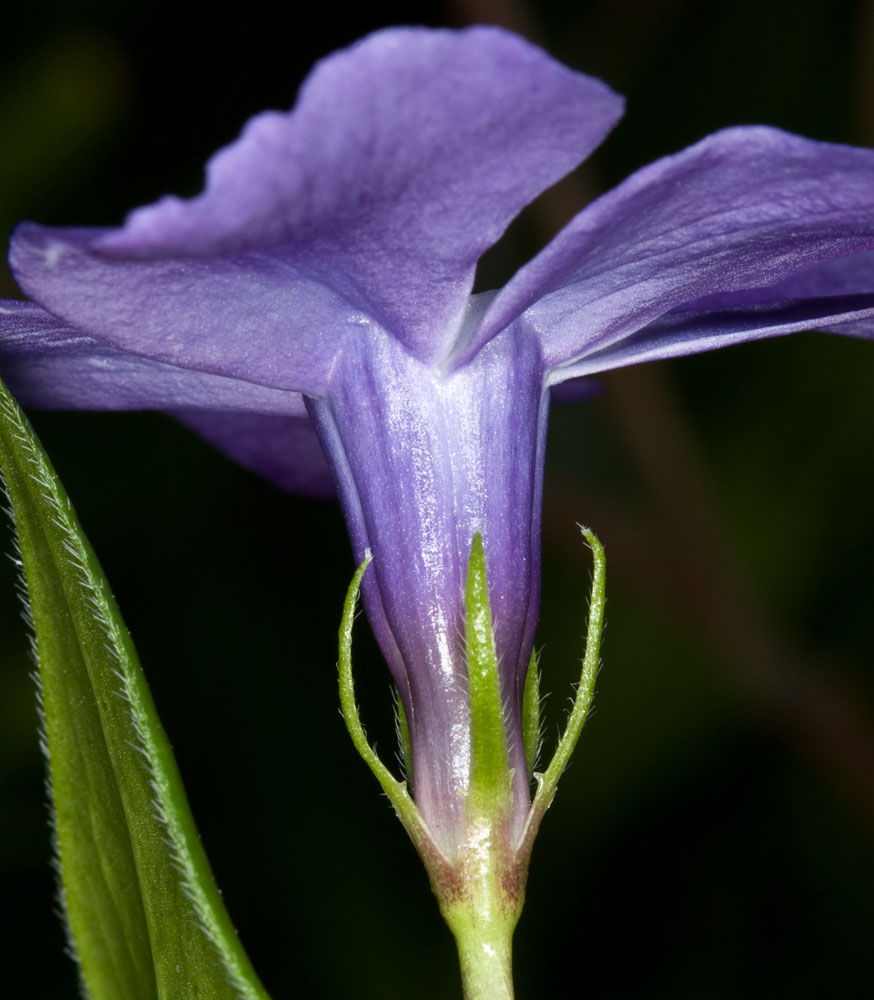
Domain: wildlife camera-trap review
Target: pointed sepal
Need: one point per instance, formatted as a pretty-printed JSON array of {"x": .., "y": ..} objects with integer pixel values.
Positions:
[
  {"x": 489, "y": 790},
  {"x": 396, "y": 791},
  {"x": 531, "y": 731},
  {"x": 405, "y": 744},
  {"x": 547, "y": 782}
]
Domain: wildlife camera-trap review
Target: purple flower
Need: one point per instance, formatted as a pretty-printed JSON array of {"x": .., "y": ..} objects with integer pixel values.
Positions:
[{"x": 319, "y": 290}]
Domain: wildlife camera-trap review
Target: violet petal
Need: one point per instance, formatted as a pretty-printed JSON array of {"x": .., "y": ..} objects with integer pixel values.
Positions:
[
  {"x": 248, "y": 315},
  {"x": 743, "y": 209},
  {"x": 285, "y": 450},
  {"x": 405, "y": 158},
  {"x": 706, "y": 328},
  {"x": 48, "y": 364}
]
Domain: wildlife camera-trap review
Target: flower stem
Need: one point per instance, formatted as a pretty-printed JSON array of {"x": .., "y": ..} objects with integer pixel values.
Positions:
[
  {"x": 484, "y": 952},
  {"x": 482, "y": 914}
]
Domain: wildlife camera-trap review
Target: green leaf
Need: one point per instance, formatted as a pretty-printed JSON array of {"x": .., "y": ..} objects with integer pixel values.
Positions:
[{"x": 144, "y": 915}]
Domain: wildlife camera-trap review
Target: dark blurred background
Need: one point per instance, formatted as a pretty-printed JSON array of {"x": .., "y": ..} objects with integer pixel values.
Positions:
[{"x": 715, "y": 835}]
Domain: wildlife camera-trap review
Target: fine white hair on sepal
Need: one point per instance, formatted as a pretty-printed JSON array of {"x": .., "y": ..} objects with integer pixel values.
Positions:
[{"x": 405, "y": 765}]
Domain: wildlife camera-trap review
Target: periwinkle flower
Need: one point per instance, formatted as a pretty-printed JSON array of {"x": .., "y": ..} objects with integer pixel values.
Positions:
[{"x": 316, "y": 301}]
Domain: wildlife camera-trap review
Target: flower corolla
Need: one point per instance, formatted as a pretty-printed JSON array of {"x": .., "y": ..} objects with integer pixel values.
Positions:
[{"x": 311, "y": 313}]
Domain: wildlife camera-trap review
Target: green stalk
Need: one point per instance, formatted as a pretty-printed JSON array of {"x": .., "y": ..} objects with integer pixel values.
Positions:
[{"x": 485, "y": 955}]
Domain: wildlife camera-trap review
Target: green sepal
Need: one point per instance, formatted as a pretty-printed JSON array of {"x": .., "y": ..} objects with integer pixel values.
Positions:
[
  {"x": 548, "y": 781},
  {"x": 405, "y": 746},
  {"x": 145, "y": 918},
  {"x": 490, "y": 775},
  {"x": 396, "y": 791},
  {"x": 531, "y": 734}
]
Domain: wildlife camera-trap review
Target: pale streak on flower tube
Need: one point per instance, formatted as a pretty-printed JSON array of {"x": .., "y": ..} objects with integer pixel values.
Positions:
[{"x": 425, "y": 460}]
